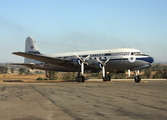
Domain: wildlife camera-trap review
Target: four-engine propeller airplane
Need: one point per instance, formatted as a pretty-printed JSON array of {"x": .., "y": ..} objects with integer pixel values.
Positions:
[{"x": 110, "y": 60}]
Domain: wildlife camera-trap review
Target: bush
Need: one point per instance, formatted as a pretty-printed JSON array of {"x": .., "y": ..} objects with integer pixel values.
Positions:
[
  {"x": 165, "y": 73},
  {"x": 94, "y": 74},
  {"x": 52, "y": 75},
  {"x": 3, "y": 70},
  {"x": 158, "y": 74},
  {"x": 111, "y": 75},
  {"x": 147, "y": 73},
  {"x": 68, "y": 76},
  {"x": 39, "y": 78}
]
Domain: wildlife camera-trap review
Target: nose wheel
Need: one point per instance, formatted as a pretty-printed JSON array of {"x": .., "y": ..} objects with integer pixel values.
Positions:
[{"x": 137, "y": 77}]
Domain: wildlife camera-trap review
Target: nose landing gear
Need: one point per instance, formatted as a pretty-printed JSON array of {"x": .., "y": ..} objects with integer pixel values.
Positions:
[{"x": 137, "y": 78}]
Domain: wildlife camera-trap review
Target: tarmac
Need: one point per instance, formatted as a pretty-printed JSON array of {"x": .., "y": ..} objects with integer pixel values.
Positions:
[{"x": 92, "y": 100}]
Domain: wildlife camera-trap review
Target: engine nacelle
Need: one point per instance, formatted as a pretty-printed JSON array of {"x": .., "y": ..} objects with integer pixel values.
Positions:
[
  {"x": 76, "y": 62},
  {"x": 96, "y": 65}
]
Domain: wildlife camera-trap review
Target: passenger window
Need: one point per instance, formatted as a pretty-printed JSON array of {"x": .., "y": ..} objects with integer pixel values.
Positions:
[
  {"x": 99, "y": 58},
  {"x": 132, "y": 53}
]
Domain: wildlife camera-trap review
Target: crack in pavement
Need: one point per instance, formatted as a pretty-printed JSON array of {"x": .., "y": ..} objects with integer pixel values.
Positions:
[{"x": 67, "y": 111}]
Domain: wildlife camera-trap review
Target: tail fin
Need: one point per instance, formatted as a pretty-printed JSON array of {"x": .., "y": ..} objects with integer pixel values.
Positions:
[{"x": 30, "y": 47}]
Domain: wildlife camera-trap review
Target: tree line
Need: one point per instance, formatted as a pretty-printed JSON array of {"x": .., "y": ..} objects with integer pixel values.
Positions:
[{"x": 156, "y": 71}]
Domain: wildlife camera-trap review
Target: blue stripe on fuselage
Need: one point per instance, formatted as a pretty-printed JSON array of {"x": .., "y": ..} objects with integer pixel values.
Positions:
[{"x": 147, "y": 59}]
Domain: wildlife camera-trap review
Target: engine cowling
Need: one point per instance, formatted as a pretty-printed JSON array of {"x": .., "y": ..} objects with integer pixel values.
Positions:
[
  {"x": 76, "y": 62},
  {"x": 96, "y": 65}
]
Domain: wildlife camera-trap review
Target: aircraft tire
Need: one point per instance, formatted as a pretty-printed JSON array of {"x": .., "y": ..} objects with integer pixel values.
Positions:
[
  {"x": 105, "y": 79},
  {"x": 78, "y": 78},
  {"x": 109, "y": 78},
  {"x": 137, "y": 79},
  {"x": 83, "y": 79}
]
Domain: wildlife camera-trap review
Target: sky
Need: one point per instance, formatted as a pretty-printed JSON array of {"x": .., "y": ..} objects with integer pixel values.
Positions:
[{"x": 60, "y": 26}]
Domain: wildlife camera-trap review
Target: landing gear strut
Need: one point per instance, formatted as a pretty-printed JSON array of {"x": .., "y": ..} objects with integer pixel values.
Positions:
[
  {"x": 137, "y": 78},
  {"x": 80, "y": 78},
  {"x": 106, "y": 78}
]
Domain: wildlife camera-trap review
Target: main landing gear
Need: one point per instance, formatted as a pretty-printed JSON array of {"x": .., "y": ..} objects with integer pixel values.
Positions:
[
  {"x": 80, "y": 78},
  {"x": 106, "y": 78}
]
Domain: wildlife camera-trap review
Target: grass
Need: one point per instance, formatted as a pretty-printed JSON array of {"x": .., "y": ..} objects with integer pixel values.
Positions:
[{"x": 14, "y": 77}]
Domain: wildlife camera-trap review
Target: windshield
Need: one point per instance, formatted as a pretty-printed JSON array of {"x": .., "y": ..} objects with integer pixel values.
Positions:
[{"x": 135, "y": 53}]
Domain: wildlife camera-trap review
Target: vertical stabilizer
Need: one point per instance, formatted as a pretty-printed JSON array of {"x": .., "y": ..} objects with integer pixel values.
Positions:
[{"x": 30, "y": 47}]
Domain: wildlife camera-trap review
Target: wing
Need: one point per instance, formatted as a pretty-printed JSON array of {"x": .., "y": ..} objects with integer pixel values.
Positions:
[{"x": 43, "y": 58}]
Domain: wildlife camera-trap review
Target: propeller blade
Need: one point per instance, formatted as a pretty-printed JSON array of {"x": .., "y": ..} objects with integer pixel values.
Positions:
[
  {"x": 87, "y": 57},
  {"x": 99, "y": 61},
  {"x": 78, "y": 56},
  {"x": 107, "y": 61}
]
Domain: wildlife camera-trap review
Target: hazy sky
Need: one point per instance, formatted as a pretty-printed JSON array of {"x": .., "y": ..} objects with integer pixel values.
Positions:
[{"x": 80, "y": 25}]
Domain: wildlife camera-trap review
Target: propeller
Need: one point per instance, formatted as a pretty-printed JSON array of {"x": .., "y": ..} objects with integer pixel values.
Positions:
[
  {"x": 103, "y": 65},
  {"x": 82, "y": 62}
]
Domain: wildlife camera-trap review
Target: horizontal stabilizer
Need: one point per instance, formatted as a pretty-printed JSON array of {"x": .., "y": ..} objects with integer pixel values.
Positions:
[
  {"x": 51, "y": 60},
  {"x": 30, "y": 65}
]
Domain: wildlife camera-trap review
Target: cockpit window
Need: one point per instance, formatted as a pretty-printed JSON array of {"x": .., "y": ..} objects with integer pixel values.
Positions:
[
  {"x": 132, "y": 53},
  {"x": 135, "y": 53}
]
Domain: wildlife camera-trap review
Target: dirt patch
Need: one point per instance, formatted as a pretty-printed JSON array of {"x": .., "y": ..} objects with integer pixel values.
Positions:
[{"x": 19, "y": 78}]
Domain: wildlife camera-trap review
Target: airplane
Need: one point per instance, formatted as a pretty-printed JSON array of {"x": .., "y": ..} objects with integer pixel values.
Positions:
[{"x": 108, "y": 61}]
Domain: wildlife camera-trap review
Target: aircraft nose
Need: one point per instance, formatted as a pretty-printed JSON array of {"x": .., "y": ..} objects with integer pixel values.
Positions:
[
  {"x": 151, "y": 60},
  {"x": 147, "y": 59}
]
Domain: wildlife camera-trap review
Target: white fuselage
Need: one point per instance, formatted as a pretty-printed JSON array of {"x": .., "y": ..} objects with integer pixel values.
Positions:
[{"x": 119, "y": 59}]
